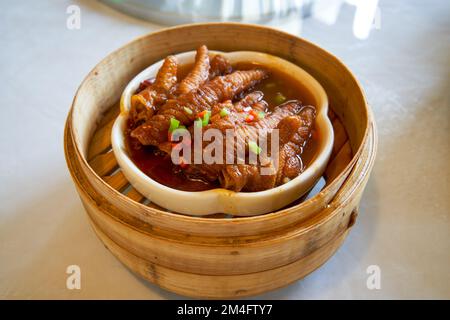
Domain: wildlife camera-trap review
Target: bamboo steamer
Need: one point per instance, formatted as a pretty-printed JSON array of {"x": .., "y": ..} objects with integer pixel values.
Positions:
[{"x": 218, "y": 256}]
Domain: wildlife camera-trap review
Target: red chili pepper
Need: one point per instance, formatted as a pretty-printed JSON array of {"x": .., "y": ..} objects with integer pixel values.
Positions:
[
  {"x": 201, "y": 114},
  {"x": 254, "y": 114}
]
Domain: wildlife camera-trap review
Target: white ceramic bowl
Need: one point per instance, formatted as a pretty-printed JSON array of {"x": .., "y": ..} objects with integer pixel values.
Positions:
[{"x": 222, "y": 200}]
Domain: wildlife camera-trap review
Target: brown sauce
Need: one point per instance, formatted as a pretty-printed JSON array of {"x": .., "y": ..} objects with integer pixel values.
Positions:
[{"x": 159, "y": 166}]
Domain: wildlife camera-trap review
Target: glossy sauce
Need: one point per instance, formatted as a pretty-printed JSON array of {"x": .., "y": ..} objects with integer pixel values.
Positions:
[{"x": 159, "y": 166}]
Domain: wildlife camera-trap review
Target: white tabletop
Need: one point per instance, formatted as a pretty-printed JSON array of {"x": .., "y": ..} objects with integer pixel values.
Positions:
[{"x": 404, "y": 221}]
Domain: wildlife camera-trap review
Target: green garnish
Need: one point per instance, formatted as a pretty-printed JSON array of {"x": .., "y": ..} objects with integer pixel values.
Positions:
[
  {"x": 261, "y": 115},
  {"x": 187, "y": 110},
  {"x": 206, "y": 117},
  {"x": 253, "y": 146},
  {"x": 270, "y": 85},
  {"x": 174, "y": 124},
  {"x": 224, "y": 112},
  {"x": 280, "y": 98}
]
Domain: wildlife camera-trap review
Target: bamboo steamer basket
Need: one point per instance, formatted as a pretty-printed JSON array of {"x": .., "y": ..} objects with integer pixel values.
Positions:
[{"x": 218, "y": 256}]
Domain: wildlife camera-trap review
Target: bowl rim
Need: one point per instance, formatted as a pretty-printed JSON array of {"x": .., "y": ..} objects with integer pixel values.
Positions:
[
  {"x": 207, "y": 221},
  {"x": 302, "y": 77}
]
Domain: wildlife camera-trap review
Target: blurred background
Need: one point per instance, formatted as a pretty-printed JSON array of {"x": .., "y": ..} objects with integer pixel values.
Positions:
[
  {"x": 169, "y": 12},
  {"x": 398, "y": 49},
  {"x": 269, "y": 12}
]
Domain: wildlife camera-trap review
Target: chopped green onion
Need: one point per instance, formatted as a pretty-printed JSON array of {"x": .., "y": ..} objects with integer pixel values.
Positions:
[
  {"x": 280, "y": 98},
  {"x": 187, "y": 110},
  {"x": 270, "y": 85},
  {"x": 261, "y": 115},
  {"x": 253, "y": 146},
  {"x": 198, "y": 123},
  {"x": 174, "y": 124},
  {"x": 206, "y": 117},
  {"x": 224, "y": 112}
]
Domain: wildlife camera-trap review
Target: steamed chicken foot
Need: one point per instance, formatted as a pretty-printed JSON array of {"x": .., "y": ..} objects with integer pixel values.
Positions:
[
  {"x": 252, "y": 104},
  {"x": 294, "y": 132},
  {"x": 245, "y": 134},
  {"x": 235, "y": 114},
  {"x": 213, "y": 128},
  {"x": 186, "y": 107},
  {"x": 219, "y": 66},
  {"x": 225, "y": 115},
  {"x": 253, "y": 100},
  {"x": 199, "y": 73},
  {"x": 144, "y": 104},
  {"x": 294, "y": 123}
]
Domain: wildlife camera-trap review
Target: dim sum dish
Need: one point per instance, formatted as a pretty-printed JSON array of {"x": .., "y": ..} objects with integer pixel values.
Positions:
[
  {"x": 221, "y": 160},
  {"x": 224, "y": 109}
]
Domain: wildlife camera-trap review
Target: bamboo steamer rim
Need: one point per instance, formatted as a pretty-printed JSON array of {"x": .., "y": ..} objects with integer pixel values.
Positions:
[{"x": 205, "y": 220}]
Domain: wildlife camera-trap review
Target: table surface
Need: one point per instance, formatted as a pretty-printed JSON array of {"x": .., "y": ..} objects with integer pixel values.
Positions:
[{"x": 403, "y": 226}]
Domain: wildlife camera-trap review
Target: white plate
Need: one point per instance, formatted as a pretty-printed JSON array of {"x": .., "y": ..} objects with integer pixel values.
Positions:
[{"x": 222, "y": 200}]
